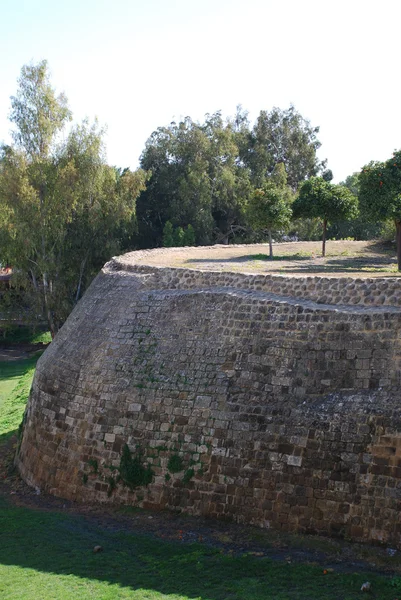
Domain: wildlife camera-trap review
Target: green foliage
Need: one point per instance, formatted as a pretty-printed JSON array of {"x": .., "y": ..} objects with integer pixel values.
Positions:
[
  {"x": 63, "y": 210},
  {"x": 168, "y": 235},
  {"x": 282, "y": 136},
  {"x": 269, "y": 208},
  {"x": 306, "y": 229},
  {"x": 17, "y": 334},
  {"x": 132, "y": 472},
  {"x": 380, "y": 189},
  {"x": 197, "y": 177},
  {"x": 318, "y": 198},
  {"x": 175, "y": 464},
  {"x": 387, "y": 231},
  {"x": 189, "y": 473},
  {"x": 179, "y": 237},
  {"x": 352, "y": 183},
  {"x": 360, "y": 228},
  {"x": 396, "y": 583},
  {"x": 189, "y": 236},
  {"x": 94, "y": 465},
  {"x": 380, "y": 194},
  {"x": 36, "y": 111}
]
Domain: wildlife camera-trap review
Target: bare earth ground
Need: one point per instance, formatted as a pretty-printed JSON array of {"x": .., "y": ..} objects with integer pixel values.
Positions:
[{"x": 343, "y": 258}]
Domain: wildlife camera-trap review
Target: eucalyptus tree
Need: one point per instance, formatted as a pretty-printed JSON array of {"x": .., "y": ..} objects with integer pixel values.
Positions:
[
  {"x": 196, "y": 180},
  {"x": 62, "y": 208},
  {"x": 283, "y": 136}
]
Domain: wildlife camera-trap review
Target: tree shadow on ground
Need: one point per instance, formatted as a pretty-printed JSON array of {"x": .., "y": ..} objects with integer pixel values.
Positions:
[
  {"x": 60, "y": 544},
  {"x": 250, "y": 257},
  {"x": 16, "y": 368},
  {"x": 385, "y": 265}
]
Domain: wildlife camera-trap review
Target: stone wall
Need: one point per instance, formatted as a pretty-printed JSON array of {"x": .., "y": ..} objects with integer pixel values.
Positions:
[{"x": 262, "y": 399}]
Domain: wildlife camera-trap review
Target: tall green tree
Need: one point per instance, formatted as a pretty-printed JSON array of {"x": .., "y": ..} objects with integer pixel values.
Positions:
[
  {"x": 318, "y": 198},
  {"x": 283, "y": 136},
  {"x": 269, "y": 208},
  {"x": 63, "y": 210},
  {"x": 196, "y": 178},
  {"x": 380, "y": 194}
]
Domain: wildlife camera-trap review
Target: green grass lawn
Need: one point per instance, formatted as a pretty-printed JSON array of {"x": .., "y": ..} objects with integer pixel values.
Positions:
[
  {"x": 48, "y": 555},
  {"x": 15, "y": 382}
]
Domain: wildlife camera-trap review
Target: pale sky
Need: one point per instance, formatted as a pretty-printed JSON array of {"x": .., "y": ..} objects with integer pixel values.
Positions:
[{"x": 139, "y": 65}]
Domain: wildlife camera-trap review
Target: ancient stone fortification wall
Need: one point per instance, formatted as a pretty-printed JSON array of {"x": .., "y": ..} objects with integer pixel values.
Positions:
[{"x": 253, "y": 398}]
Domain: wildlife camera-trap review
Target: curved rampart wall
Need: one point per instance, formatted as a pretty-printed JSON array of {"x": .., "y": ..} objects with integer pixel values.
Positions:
[{"x": 282, "y": 411}]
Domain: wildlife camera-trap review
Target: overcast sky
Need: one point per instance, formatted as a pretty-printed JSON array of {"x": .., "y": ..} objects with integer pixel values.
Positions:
[{"x": 140, "y": 65}]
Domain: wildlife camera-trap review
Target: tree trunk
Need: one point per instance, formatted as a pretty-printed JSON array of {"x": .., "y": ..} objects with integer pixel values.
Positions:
[
  {"x": 270, "y": 244},
  {"x": 398, "y": 227},
  {"x": 324, "y": 237},
  {"x": 49, "y": 315},
  {"x": 81, "y": 273}
]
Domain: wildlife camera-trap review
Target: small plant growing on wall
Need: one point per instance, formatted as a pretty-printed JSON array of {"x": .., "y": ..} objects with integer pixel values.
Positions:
[
  {"x": 175, "y": 464},
  {"x": 189, "y": 473},
  {"x": 132, "y": 472},
  {"x": 92, "y": 462}
]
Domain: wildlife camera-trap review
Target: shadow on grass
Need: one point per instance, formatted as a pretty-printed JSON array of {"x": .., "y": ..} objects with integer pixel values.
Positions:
[
  {"x": 250, "y": 257},
  {"x": 17, "y": 368},
  {"x": 364, "y": 265},
  {"x": 5, "y": 437},
  {"x": 59, "y": 544}
]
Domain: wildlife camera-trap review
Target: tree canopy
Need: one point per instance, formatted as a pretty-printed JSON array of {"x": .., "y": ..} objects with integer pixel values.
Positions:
[
  {"x": 63, "y": 210},
  {"x": 204, "y": 174},
  {"x": 269, "y": 207},
  {"x": 283, "y": 136},
  {"x": 196, "y": 179},
  {"x": 319, "y": 198},
  {"x": 380, "y": 193}
]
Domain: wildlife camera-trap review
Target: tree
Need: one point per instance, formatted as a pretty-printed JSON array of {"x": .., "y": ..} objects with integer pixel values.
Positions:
[
  {"x": 189, "y": 236},
  {"x": 380, "y": 194},
  {"x": 168, "y": 235},
  {"x": 359, "y": 228},
  {"x": 319, "y": 198},
  {"x": 270, "y": 206},
  {"x": 179, "y": 237},
  {"x": 283, "y": 136},
  {"x": 196, "y": 178},
  {"x": 63, "y": 210}
]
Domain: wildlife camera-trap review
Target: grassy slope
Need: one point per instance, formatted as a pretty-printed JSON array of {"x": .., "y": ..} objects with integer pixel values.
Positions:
[{"x": 15, "y": 382}]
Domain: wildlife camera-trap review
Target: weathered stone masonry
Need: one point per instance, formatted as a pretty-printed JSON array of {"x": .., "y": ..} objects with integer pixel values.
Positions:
[{"x": 282, "y": 403}]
